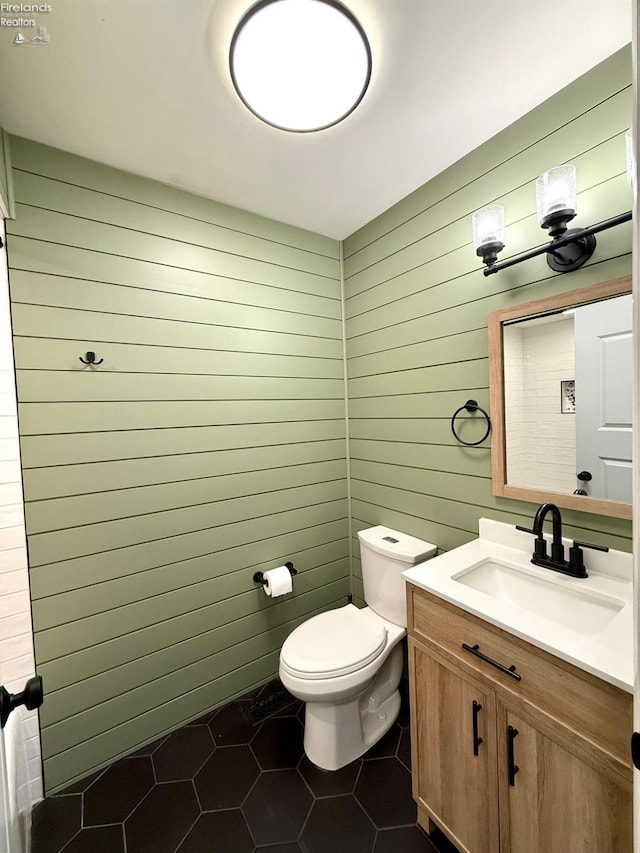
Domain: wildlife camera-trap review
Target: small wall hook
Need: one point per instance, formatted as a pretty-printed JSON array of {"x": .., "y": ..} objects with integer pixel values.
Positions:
[
  {"x": 259, "y": 576},
  {"x": 91, "y": 358}
]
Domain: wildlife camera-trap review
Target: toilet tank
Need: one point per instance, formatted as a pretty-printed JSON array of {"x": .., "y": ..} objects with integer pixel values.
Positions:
[{"x": 385, "y": 555}]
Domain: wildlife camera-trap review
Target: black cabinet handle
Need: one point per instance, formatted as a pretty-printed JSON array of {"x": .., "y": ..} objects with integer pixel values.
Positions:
[
  {"x": 513, "y": 767},
  {"x": 508, "y": 670},
  {"x": 476, "y": 708}
]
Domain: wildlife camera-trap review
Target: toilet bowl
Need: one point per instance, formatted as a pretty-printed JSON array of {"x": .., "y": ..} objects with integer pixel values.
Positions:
[
  {"x": 350, "y": 689},
  {"x": 346, "y": 664}
]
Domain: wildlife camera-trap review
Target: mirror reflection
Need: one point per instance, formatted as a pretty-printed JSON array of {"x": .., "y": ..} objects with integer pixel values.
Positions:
[
  {"x": 568, "y": 384},
  {"x": 561, "y": 387}
]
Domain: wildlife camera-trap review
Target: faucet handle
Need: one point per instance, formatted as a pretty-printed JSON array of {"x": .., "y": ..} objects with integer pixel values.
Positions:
[
  {"x": 540, "y": 545},
  {"x": 577, "y": 544},
  {"x": 576, "y": 557}
]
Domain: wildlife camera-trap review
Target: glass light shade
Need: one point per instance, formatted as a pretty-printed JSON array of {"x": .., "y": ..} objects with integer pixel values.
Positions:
[
  {"x": 300, "y": 65},
  {"x": 556, "y": 192},
  {"x": 630, "y": 157},
  {"x": 488, "y": 225}
]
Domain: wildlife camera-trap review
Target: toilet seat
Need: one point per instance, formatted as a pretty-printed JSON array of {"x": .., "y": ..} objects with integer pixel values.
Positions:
[{"x": 334, "y": 643}]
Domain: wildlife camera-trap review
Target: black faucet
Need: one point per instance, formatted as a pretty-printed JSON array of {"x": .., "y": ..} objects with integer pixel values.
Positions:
[{"x": 575, "y": 565}]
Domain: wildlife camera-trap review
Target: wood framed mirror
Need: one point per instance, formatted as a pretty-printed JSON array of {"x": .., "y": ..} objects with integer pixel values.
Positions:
[{"x": 561, "y": 387}]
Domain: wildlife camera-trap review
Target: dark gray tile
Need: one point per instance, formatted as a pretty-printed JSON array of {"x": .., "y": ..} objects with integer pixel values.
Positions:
[
  {"x": 218, "y": 832},
  {"x": 204, "y": 719},
  {"x": 291, "y": 709},
  {"x": 384, "y": 792},
  {"x": 226, "y": 778},
  {"x": 441, "y": 842},
  {"x": 408, "y": 839},
  {"x": 163, "y": 819},
  {"x": 230, "y": 726},
  {"x": 148, "y": 749},
  {"x": 99, "y": 839},
  {"x": 81, "y": 786},
  {"x": 404, "y": 718},
  {"x": 404, "y": 748},
  {"x": 182, "y": 754},
  {"x": 277, "y": 807},
  {"x": 386, "y": 746},
  {"x": 282, "y": 810},
  {"x": 329, "y": 783},
  {"x": 55, "y": 821},
  {"x": 278, "y": 743},
  {"x": 339, "y": 825},
  {"x": 272, "y": 699},
  {"x": 270, "y": 687},
  {"x": 118, "y": 791}
]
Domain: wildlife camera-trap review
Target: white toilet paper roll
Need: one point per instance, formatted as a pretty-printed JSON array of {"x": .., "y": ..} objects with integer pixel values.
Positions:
[{"x": 278, "y": 581}]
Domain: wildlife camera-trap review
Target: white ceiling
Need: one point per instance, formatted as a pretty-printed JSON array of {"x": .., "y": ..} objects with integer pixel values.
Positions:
[{"x": 144, "y": 85}]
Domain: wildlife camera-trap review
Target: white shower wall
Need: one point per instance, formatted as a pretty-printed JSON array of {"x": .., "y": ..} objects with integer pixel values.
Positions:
[
  {"x": 541, "y": 438},
  {"x": 16, "y": 637}
]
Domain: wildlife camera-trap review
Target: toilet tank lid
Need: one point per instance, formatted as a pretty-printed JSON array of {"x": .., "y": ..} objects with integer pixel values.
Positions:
[{"x": 400, "y": 546}]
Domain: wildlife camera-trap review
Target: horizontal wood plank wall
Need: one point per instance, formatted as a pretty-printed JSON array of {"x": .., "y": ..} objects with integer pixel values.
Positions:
[
  {"x": 208, "y": 444},
  {"x": 417, "y": 305},
  {"x": 6, "y": 199}
]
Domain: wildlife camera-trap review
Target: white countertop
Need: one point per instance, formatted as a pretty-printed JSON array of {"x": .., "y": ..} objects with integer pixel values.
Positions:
[{"x": 606, "y": 651}]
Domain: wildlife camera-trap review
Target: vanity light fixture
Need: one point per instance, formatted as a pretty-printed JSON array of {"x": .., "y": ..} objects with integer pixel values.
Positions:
[
  {"x": 556, "y": 195},
  {"x": 300, "y": 65},
  {"x": 488, "y": 232}
]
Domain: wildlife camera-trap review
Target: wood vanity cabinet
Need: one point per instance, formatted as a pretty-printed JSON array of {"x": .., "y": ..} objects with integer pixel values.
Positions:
[{"x": 539, "y": 764}]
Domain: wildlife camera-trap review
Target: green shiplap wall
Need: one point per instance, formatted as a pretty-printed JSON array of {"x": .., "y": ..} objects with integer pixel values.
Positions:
[
  {"x": 6, "y": 185},
  {"x": 417, "y": 305},
  {"x": 211, "y": 440},
  {"x": 208, "y": 444}
]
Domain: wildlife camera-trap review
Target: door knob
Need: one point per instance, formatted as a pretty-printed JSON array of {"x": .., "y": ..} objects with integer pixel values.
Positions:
[{"x": 31, "y": 697}]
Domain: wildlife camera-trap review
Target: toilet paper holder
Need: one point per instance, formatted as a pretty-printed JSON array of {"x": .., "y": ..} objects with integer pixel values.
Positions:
[{"x": 260, "y": 578}]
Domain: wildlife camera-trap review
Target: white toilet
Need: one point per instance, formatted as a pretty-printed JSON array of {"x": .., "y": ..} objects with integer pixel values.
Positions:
[{"x": 346, "y": 664}]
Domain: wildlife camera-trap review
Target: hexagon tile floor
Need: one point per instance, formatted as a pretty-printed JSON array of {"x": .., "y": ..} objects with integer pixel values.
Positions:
[{"x": 223, "y": 784}]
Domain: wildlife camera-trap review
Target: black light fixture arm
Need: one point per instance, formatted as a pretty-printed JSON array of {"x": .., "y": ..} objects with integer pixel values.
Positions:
[{"x": 570, "y": 237}]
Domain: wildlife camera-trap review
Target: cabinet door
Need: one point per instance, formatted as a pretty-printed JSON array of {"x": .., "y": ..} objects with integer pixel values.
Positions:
[
  {"x": 453, "y": 735},
  {"x": 554, "y": 797}
]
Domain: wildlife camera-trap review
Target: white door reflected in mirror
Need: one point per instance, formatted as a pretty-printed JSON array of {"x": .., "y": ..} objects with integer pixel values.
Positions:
[{"x": 604, "y": 397}]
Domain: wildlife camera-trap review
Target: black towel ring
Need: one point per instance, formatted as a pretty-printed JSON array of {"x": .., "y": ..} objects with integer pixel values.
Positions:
[{"x": 470, "y": 406}]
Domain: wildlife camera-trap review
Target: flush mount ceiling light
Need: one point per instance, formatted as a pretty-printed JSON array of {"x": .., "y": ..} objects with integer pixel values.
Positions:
[
  {"x": 556, "y": 201},
  {"x": 300, "y": 65}
]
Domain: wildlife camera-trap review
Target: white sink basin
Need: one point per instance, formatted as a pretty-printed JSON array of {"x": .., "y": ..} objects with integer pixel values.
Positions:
[
  {"x": 587, "y": 622},
  {"x": 552, "y": 599}
]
